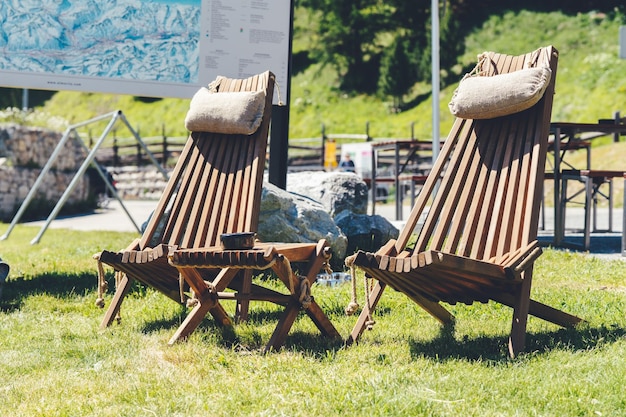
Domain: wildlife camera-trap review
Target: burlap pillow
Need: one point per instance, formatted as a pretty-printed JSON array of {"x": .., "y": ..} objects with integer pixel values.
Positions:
[
  {"x": 229, "y": 112},
  {"x": 487, "y": 97}
]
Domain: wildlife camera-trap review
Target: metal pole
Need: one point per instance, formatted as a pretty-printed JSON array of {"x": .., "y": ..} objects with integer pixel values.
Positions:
[
  {"x": 434, "y": 9},
  {"x": 105, "y": 178},
  {"x": 373, "y": 175},
  {"x": 143, "y": 145},
  {"x": 399, "y": 195},
  {"x": 279, "y": 136},
  {"x": 559, "y": 231},
  {"x": 44, "y": 171},
  {"x": 77, "y": 177},
  {"x": 25, "y": 99}
]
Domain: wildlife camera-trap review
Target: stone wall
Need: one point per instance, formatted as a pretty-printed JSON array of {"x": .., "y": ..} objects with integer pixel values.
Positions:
[
  {"x": 133, "y": 182},
  {"x": 32, "y": 147},
  {"x": 24, "y": 151}
]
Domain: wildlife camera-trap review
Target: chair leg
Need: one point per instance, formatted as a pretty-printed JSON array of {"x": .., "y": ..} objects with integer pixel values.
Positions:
[
  {"x": 434, "y": 309},
  {"x": 288, "y": 318},
  {"x": 243, "y": 305},
  {"x": 120, "y": 292},
  {"x": 542, "y": 311},
  {"x": 317, "y": 315},
  {"x": 192, "y": 321},
  {"x": 624, "y": 220},
  {"x": 197, "y": 314},
  {"x": 588, "y": 181},
  {"x": 284, "y": 325},
  {"x": 552, "y": 314},
  {"x": 517, "y": 339}
]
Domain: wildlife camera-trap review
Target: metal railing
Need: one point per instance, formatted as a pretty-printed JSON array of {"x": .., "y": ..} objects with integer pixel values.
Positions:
[{"x": 303, "y": 153}]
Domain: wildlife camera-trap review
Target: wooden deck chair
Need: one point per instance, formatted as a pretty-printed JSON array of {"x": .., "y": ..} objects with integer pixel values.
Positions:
[
  {"x": 481, "y": 206},
  {"x": 214, "y": 188}
]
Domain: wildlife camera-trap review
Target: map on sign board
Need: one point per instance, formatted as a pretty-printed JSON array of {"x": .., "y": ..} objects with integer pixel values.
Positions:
[{"x": 154, "y": 48}]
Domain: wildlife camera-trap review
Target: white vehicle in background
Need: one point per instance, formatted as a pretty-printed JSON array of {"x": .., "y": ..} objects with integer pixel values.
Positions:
[{"x": 362, "y": 155}]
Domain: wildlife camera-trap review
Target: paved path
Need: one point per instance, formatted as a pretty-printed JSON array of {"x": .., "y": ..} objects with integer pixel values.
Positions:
[{"x": 114, "y": 218}]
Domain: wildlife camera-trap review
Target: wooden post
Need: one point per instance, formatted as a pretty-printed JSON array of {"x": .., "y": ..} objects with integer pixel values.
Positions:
[
  {"x": 165, "y": 155},
  {"x": 138, "y": 145},
  {"x": 116, "y": 157},
  {"x": 322, "y": 156}
]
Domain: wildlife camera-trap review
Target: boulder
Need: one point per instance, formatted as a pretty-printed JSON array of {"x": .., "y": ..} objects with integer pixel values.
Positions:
[
  {"x": 289, "y": 217},
  {"x": 365, "y": 232},
  {"x": 336, "y": 191}
]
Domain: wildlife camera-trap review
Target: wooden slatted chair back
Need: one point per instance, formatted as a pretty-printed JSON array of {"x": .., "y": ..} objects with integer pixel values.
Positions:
[
  {"x": 216, "y": 185},
  {"x": 483, "y": 195}
]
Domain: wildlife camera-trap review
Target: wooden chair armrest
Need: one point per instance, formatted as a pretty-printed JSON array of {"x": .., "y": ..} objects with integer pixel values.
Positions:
[
  {"x": 134, "y": 245},
  {"x": 388, "y": 249},
  {"x": 523, "y": 258}
]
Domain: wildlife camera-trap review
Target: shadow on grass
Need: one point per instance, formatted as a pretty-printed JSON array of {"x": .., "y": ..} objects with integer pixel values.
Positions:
[
  {"x": 446, "y": 346},
  {"x": 63, "y": 285},
  {"x": 226, "y": 335},
  {"x": 208, "y": 323},
  {"x": 245, "y": 336},
  {"x": 313, "y": 343},
  {"x": 53, "y": 284}
]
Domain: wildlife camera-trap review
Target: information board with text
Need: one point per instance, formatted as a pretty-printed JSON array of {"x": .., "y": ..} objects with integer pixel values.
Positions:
[{"x": 152, "y": 48}]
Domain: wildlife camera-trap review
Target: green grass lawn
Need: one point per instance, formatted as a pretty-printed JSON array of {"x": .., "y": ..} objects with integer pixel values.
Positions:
[{"x": 54, "y": 361}]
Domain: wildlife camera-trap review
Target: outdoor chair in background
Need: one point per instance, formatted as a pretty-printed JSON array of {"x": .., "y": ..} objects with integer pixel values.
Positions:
[
  {"x": 481, "y": 204},
  {"x": 214, "y": 191}
]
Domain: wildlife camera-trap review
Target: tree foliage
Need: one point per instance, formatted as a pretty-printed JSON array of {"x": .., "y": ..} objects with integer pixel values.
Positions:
[
  {"x": 347, "y": 34},
  {"x": 379, "y": 45},
  {"x": 396, "y": 72},
  {"x": 373, "y": 43}
]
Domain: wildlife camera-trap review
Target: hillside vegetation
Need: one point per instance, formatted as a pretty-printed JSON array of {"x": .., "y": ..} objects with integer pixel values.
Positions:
[
  {"x": 591, "y": 85},
  {"x": 590, "y": 82}
]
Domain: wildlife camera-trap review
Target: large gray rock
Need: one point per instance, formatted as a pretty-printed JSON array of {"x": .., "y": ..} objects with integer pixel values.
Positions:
[
  {"x": 365, "y": 232},
  {"x": 290, "y": 217},
  {"x": 336, "y": 191}
]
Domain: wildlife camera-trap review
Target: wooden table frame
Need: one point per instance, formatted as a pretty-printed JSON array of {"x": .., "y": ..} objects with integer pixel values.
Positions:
[
  {"x": 412, "y": 147},
  {"x": 274, "y": 256},
  {"x": 567, "y": 132},
  {"x": 593, "y": 180}
]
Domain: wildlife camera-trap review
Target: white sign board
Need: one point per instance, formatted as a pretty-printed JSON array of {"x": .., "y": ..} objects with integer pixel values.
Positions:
[{"x": 154, "y": 48}]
